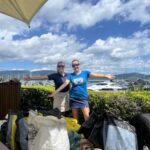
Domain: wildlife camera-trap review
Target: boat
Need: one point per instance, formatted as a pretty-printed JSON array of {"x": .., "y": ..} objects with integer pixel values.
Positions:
[{"x": 106, "y": 86}]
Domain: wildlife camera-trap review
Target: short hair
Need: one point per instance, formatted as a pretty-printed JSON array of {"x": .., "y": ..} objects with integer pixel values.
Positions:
[
  {"x": 61, "y": 62},
  {"x": 75, "y": 60}
]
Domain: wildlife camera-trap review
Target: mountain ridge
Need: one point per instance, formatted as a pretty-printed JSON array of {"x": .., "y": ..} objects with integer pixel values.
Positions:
[{"x": 21, "y": 73}]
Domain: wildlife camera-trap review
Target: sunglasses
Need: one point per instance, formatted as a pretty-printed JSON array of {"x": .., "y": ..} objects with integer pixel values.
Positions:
[
  {"x": 74, "y": 65},
  {"x": 61, "y": 66}
]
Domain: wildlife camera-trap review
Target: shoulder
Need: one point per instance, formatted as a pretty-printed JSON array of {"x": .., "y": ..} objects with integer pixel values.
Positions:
[
  {"x": 86, "y": 72},
  {"x": 70, "y": 75},
  {"x": 53, "y": 75},
  {"x": 66, "y": 74}
]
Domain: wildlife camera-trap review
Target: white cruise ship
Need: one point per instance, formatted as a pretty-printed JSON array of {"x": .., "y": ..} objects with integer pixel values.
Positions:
[{"x": 106, "y": 86}]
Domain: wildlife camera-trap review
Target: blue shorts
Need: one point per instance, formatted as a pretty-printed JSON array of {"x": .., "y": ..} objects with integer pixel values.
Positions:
[{"x": 77, "y": 103}]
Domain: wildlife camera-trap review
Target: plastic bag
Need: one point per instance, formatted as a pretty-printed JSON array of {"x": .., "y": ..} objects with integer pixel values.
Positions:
[
  {"x": 74, "y": 139},
  {"x": 118, "y": 135},
  {"x": 22, "y": 133},
  {"x": 96, "y": 136},
  {"x": 11, "y": 131},
  {"x": 72, "y": 124},
  {"x": 88, "y": 125},
  {"x": 49, "y": 133},
  {"x": 142, "y": 125},
  {"x": 110, "y": 133}
]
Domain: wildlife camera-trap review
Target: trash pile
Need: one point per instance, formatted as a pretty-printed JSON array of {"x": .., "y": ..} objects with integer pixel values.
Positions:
[{"x": 49, "y": 130}]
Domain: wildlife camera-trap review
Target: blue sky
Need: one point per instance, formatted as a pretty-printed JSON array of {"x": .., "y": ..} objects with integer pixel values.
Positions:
[{"x": 108, "y": 36}]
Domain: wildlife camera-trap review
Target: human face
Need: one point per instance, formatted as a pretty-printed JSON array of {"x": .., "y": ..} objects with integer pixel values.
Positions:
[
  {"x": 76, "y": 66},
  {"x": 61, "y": 68}
]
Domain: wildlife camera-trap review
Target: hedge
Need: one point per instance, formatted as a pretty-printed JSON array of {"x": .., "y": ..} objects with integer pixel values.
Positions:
[{"x": 120, "y": 104}]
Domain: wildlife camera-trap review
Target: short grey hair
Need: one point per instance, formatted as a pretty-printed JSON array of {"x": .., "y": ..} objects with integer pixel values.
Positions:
[{"x": 61, "y": 62}]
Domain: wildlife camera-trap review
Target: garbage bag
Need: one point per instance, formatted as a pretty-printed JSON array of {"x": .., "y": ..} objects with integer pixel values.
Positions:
[
  {"x": 54, "y": 112},
  {"x": 11, "y": 131},
  {"x": 72, "y": 124},
  {"x": 49, "y": 133},
  {"x": 88, "y": 125},
  {"x": 22, "y": 132},
  {"x": 96, "y": 136},
  {"x": 142, "y": 125},
  {"x": 3, "y": 132},
  {"x": 74, "y": 139},
  {"x": 118, "y": 135}
]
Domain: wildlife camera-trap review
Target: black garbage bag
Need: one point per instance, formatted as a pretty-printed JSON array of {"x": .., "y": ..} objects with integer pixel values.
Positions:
[
  {"x": 54, "y": 112},
  {"x": 87, "y": 127},
  {"x": 142, "y": 125},
  {"x": 96, "y": 136},
  {"x": 3, "y": 132}
]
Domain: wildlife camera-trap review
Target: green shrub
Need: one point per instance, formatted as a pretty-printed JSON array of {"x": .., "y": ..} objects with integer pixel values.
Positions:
[
  {"x": 37, "y": 95},
  {"x": 120, "y": 104}
]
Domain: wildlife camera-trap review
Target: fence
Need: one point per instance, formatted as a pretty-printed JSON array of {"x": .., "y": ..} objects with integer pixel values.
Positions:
[{"x": 9, "y": 97}]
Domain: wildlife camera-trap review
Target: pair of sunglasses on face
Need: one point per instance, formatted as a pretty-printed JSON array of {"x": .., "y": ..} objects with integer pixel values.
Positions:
[{"x": 75, "y": 65}]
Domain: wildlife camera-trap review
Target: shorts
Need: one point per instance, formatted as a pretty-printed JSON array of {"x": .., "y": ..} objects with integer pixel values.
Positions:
[
  {"x": 61, "y": 101},
  {"x": 77, "y": 103}
]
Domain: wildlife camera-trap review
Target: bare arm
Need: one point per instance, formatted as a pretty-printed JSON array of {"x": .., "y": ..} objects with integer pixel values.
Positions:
[
  {"x": 60, "y": 88},
  {"x": 96, "y": 75},
  {"x": 36, "y": 78},
  {"x": 39, "y": 78}
]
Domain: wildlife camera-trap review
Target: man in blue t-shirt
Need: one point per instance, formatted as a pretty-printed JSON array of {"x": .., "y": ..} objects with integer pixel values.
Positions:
[
  {"x": 78, "y": 93},
  {"x": 61, "y": 100}
]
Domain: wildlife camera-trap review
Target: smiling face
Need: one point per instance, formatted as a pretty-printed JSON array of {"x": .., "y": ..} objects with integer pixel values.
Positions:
[{"x": 76, "y": 66}]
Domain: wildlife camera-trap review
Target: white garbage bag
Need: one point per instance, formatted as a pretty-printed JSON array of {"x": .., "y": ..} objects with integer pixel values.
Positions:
[{"x": 47, "y": 133}]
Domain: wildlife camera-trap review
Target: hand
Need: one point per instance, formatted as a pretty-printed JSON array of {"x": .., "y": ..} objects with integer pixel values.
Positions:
[
  {"x": 53, "y": 94},
  {"x": 27, "y": 78},
  {"x": 110, "y": 77}
]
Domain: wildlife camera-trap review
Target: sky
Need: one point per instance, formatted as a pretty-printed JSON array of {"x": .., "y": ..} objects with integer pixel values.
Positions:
[{"x": 107, "y": 36}]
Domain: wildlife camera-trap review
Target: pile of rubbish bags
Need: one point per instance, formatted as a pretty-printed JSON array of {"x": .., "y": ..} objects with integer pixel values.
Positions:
[
  {"x": 49, "y": 130},
  {"x": 42, "y": 130}
]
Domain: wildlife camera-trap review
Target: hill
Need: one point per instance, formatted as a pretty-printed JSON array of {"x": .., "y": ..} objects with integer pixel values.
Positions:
[
  {"x": 21, "y": 73},
  {"x": 133, "y": 76},
  {"x": 8, "y": 74}
]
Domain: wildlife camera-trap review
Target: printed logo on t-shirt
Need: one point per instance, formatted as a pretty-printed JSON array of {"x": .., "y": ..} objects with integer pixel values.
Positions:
[{"x": 78, "y": 81}]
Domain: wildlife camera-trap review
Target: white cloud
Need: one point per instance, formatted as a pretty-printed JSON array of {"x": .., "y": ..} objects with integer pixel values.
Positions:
[
  {"x": 74, "y": 13},
  {"x": 112, "y": 54},
  {"x": 115, "y": 54},
  {"x": 137, "y": 10},
  {"x": 48, "y": 48},
  {"x": 86, "y": 14},
  {"x": 122, "y": 53}
]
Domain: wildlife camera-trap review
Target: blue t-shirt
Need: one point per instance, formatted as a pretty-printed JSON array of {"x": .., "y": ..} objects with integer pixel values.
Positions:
[{"x": 79, "y": 85}]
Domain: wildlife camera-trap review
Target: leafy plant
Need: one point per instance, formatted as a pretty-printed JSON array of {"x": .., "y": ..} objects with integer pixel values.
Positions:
[{"x": 120, "y": 104}]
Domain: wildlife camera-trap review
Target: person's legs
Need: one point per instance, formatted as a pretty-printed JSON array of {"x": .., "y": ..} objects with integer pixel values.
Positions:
[
  {"x": 85, "y": 112},
  {"x": 75, "y": 113}
]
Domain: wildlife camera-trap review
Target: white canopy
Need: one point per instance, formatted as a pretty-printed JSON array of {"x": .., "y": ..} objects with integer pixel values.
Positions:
[{"x": 23, "y": 10}]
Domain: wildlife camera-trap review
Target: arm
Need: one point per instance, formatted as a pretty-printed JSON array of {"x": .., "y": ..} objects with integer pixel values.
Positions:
[
  {"x": 96, "y": 75},
  {"x": 36, "y": 78},
  {"x": 60, "y": 88}
]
